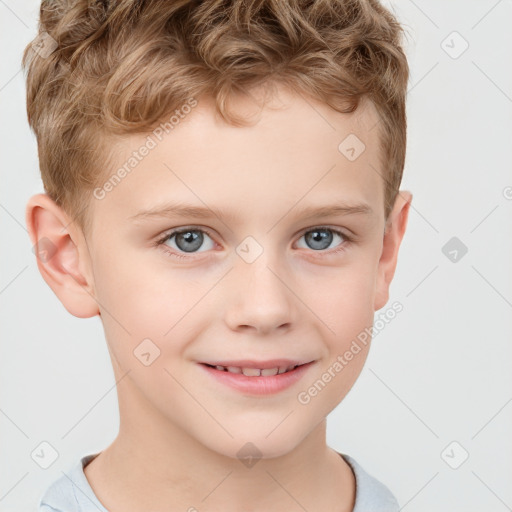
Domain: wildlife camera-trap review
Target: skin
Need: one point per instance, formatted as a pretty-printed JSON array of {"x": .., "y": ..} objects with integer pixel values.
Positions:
[{"x": 180, "y": 430}]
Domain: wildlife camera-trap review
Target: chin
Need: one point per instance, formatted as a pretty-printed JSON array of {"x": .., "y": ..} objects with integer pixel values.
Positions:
[{"x": 256, "y": 445}]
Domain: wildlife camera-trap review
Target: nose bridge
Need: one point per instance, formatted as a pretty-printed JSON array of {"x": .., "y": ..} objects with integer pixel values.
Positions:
[{"x": 259, "y": 297}]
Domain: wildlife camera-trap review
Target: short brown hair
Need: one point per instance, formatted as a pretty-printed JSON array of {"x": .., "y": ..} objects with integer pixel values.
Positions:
[{"x": 121, "y": 66}]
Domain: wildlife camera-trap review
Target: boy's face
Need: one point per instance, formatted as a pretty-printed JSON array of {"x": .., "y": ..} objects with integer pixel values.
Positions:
[{"x": 256, "y": 280}]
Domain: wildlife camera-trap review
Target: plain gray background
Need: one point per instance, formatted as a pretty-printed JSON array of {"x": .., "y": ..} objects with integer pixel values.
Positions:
[{"x": 437, "y": 383}]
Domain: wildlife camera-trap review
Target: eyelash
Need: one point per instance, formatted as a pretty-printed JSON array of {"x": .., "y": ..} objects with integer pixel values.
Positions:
[{"x": 342, "y": 247}]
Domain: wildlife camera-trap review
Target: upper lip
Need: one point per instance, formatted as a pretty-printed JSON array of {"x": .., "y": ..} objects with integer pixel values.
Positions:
[{"x": 269, "y": 363}]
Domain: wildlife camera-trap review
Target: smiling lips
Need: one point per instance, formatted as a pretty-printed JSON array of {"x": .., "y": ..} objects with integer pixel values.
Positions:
[
  {"x": 257, "y": 377},
  {"x": 255, "y": 372},
  {"x": 256, "y": 369}
]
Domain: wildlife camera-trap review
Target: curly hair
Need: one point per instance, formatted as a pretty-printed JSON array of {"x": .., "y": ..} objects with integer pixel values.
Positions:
[{"x": 120, "y": 67}]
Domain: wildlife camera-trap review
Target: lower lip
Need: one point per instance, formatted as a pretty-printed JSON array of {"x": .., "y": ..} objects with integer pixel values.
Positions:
[{"x": 262, "y": 385}]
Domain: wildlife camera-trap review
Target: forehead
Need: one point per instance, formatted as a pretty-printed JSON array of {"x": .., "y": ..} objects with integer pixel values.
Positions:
[
  {"x": 286, "y": 125},
  {"x": 295, "y": 150}
]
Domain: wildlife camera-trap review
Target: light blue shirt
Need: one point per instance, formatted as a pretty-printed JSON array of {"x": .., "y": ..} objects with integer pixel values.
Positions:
[{"x": 72, "y": 492}]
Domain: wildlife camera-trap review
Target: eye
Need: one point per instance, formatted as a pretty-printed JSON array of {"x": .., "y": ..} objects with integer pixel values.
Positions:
[
  {"x": 187, "y": 240},
  {"x": 320, "y": 238},
  {"x": 179, "y": 242}
]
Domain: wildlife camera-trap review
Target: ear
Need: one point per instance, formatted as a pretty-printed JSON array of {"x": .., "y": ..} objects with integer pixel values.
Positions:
[
  {"x": 394, "y": 232},
  {"x": 62, "y": 255}
]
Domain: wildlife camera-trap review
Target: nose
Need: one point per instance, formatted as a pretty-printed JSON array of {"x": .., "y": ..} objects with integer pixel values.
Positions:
[{"x": 260, "y": 298}]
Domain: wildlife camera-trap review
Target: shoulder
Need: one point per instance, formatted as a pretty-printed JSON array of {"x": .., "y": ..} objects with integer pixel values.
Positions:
[
  {"x": 69, "y": 493},
  {"x": 371, "y": 494},
  {"x": 60, "y": 496}
]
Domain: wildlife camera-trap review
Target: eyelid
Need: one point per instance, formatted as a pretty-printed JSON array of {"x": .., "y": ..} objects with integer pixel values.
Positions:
[
  {"x": 343, "y": 231},
  {"x": 176, "y": 231}
]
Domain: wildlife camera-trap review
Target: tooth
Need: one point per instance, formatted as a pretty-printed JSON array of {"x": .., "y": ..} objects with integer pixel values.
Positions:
[
  {"x": 282, "y": 369},
  {"x": 234, "y": 369},
  {"x": 269, "y": 371},
  {"x": 291, "y": 367},
  {"x": 220, "y": 367},
  {"x": 251, "y": 372}
]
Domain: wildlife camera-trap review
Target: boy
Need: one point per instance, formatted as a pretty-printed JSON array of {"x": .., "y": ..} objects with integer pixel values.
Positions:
[{"x": 229, "y": 354}]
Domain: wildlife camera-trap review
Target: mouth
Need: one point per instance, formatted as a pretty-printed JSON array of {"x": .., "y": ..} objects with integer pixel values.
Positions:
[
  {"x": 257, "y": 378},
  {"x": 257, "y": 369}
]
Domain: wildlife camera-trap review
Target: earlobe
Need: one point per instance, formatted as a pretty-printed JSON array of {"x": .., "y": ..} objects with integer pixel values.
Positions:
[
  {"x": 394, "y": 233},
  {"x": 60, "y": 254}
]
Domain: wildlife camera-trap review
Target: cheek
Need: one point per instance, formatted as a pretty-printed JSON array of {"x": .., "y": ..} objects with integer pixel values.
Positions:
[
  {"x": 345, "y": 308},
  {"x": 343, "y": 299},
  {"x": 139, "y": 294},
  {"x": 141, "y": 302}
]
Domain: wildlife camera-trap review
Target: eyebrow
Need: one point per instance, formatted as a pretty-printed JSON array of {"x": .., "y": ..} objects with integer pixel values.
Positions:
[{"x": 199, "y": 212}]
